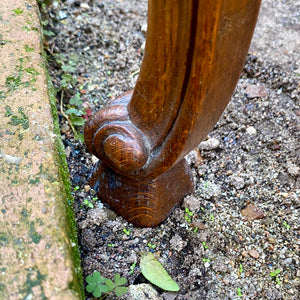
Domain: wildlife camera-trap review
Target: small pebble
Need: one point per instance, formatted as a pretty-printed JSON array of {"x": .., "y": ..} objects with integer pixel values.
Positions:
[
  {"x": 143, "y": 291},
  {"x": 177, "y": 243},
  {"x": 256, "y": 90},
  {"x": 199, "y": 225},
  {"x": 87, "y": 188},
  {"x": 209, "y": 144},
  {"x": 237, "y": 182},
  {"x": 272, "y": 240},
  {"x": 252, "y": 212},
  {"x": 287, "y": 261},
  {"x": 251, "y": 130},
  {"x": 84, "y": 6},
  {"x": 253, "y": 253},
  {"x": 275, "y": 147},
  {"x": 192, "y": 203},
  {"x": 144, "y": 28},
  {"x": 65, "y": 128},
  {"x": 292, "y": 169}
]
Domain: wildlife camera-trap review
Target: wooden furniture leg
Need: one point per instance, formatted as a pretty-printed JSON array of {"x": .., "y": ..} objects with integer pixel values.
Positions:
[{"x": 195, "y": 51}]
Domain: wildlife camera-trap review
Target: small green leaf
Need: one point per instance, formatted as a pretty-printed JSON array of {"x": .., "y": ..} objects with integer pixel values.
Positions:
[
  {"x": 80, "y": 137},
  {"x": 119, "y": 280},
  {"x": 74, "y": 111},
  {"x": 110, "y": 285},
  {"x": 28, "y": 49},
  {"x": 68, "y": 78},
  {"x": 286, "y": 225},
  {"x": 76, "y": 100},
  {"x": 132, "y": 268},
  {"x": 126, "y": 231},
  {"x": 275, "y": 273},
  {"x": 68, "y": 68},
  {"x": 32, "y": 71},
  {"x": 48, "y": 32},
  {"x": 99, "y": 290},
  {"x": 241, "y": 268},
  {"x": 77, "y": 121},
  {"x": 153, "y": 271},
  {"x": 44, "y": 22},
  {"x": 96, "y": 284},
  {"x": 278, "y": 281},
  {"x": 120, "y": 290},
  {"x": 90, "y": 288},
  {"x": 18, "y": 11},
  {"x": 94, "y": 278}
]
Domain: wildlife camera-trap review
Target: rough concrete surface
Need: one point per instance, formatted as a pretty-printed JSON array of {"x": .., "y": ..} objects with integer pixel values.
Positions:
[{"x": 35, "y": 237}]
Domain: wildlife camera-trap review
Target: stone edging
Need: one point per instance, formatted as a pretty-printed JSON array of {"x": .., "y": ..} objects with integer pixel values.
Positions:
[{"x": 39, "y": 257}]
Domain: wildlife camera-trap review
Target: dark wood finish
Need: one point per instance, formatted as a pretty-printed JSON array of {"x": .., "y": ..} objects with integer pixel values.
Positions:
[{"x": 195, "y": 50}]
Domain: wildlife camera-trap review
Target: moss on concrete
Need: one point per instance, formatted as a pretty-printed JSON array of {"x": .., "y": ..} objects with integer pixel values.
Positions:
[
  {"x": 63, "y": 166},
  {"x": 39, "y": 253}
]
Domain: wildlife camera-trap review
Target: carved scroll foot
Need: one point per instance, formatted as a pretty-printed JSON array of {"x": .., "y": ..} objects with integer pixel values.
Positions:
[
  {"x": 144, "y": 203},
  {"x": 193, "y": 58}
]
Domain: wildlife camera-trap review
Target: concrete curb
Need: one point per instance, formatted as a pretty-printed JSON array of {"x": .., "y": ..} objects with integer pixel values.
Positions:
[{"x": 39, "y": 257}]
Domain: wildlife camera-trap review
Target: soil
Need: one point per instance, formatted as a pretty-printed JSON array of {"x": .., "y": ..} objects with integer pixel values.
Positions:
[{"x": 245, "y": 210}]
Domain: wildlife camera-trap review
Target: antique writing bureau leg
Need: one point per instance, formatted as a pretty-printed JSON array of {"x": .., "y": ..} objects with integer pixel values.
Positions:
[{"x": 195, "y": 50}]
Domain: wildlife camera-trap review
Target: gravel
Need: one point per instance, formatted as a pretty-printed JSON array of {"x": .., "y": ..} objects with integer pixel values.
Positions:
[{"x": 250, "y": 159}]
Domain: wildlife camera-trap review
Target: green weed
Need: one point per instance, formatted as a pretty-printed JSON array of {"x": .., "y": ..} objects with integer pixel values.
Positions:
[
  {"x": 241, "y": 268},
  {"x": 28, "y": 49},
  {"x": 274, "y": 275},
  {"x": 126, "y": 231},
  {"x": 239, "y": 292},
  {"x": 18, "y": 11},
  {"x": 204, "y": 245},
  {"x": 188, "y": 215},
  {"x": 151, "y": 246},
  {"x": 98, "y": 285},
  {"x": 132, "y": 267}
]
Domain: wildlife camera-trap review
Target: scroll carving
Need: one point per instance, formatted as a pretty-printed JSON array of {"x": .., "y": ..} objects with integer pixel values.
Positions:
[{"x": 194, "y": 54}]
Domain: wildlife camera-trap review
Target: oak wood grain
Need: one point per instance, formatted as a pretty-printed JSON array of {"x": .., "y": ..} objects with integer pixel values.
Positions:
[{"x": 195, "y": 51}]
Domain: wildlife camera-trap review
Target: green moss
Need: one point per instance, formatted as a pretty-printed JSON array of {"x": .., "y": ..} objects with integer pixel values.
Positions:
[
  {"x": 28, "y": 49},
  {"x": 3, "y": 239},
  {"x": 33, "y": 234},
  {"x": 2, "y": 288},
  {"x": 77, "y": 283},
  {"x": 34, "y": 180},
  {"x": 18, "y": 11},
  {"x": 24, "y": 213},
  {"x": 33, "y": 279}
]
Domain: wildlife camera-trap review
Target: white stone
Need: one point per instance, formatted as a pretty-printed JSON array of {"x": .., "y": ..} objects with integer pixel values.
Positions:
[
  {"x": 251, "y": 130},
  {"x": 209, "y": 144},
  {"x": 84, "y": 6}
]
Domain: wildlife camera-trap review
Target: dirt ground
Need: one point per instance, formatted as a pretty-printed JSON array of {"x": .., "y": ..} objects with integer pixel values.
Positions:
[{"x": 246, "y": 203}]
